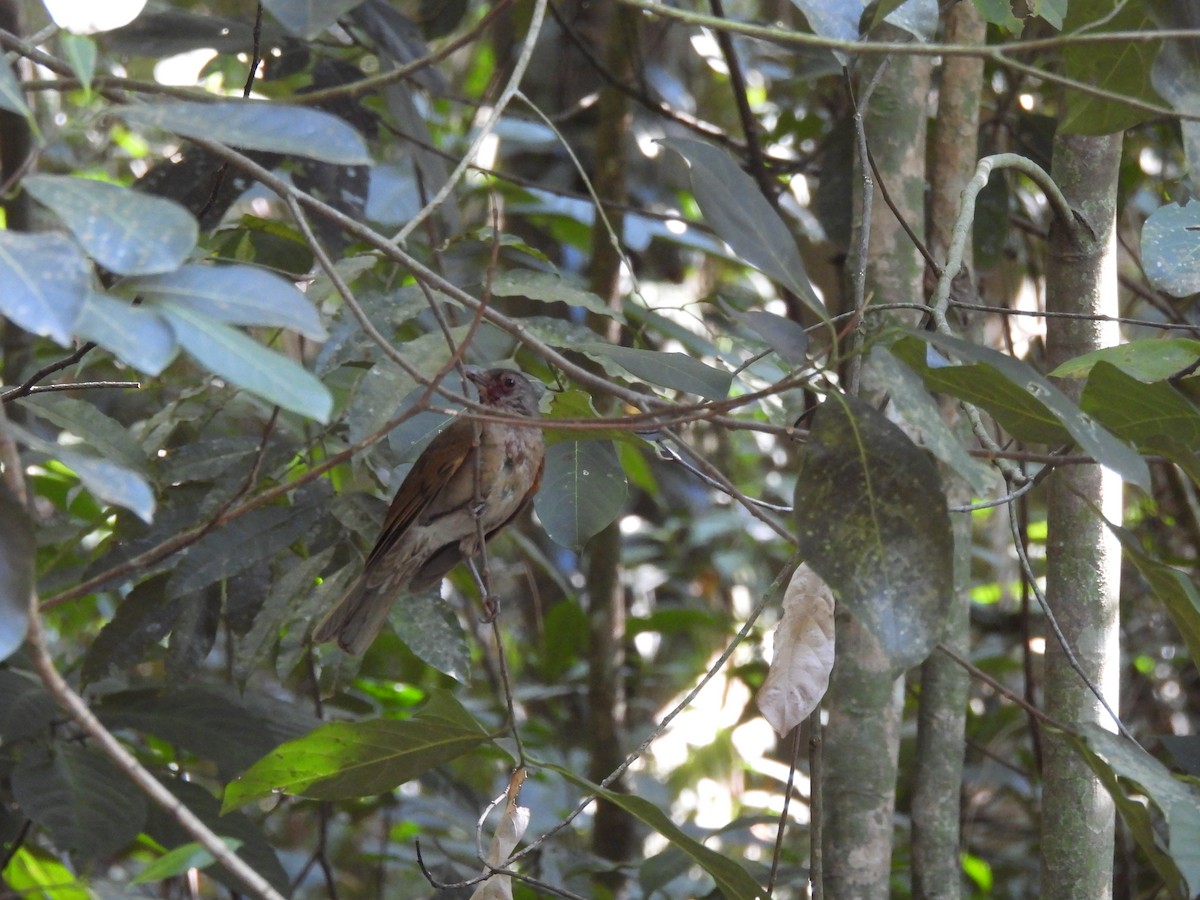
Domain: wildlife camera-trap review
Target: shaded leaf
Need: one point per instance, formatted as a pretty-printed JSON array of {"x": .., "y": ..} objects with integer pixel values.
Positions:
[
  {"x": 17, "y": 552},
  {"x": 84, "y": 420},
  {"x": 138, "y": 336},
  {"x": 80, "y": 53},
  {"x": 1174, "y": 76},
  {"x": 43, "y": 281},
  {"x": 1121, "y": 67},
  {"x": 1178, "y": 800},
  {"x": 141, "y": 620},
  {"x": 671, "y": 370},
  {"x": 428, "y": 627},
  {"x": 80, "y": 797},
  {"x": 246, "y": 363},
  {"x": 308, "y": 18},
  {"x": 342, "y": 760},
  {"x": 736, "y": 210},
  {"x": 872, "y": 522},
  {"x": 802, "y": 657},
  {"x": 12, "y": 96},
  {"x": 125, "y": 231},
  {"x": 1145, "y": 360},
  {"x": 785, "y": 337},
  {"x": 583, "y": 490},
  {"x": 191, "y": 855},
  {"x": 106, "y": 480},
  {"x": 256, "y": 125},
  {"x": 1171, "y": 248},
  {"x": 734, "y": 882},
  {"x": 26, "y": 707},
  {"x": 1091, "y": 437},
  {"x": 550, "y": 288},
  {"x": 233, "y": 294}
]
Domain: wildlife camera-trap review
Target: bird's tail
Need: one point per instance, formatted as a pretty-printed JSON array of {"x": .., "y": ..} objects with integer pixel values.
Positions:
[{"x": 357, "y": 618}]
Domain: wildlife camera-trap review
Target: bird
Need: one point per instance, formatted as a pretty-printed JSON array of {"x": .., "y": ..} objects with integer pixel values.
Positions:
[{"x": 458, "y": 488}]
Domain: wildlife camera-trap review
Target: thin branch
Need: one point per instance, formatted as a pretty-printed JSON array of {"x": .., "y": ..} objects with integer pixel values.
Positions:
[
  {"x": 26, "y": 387},
  {"x": 79, "y": 386}
]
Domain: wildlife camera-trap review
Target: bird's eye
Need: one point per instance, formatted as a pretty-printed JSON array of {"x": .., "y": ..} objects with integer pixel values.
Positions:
[{"x": 509, "y": 381}]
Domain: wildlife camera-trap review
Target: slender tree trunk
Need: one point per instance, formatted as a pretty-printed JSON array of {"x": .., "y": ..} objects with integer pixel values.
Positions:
[
  {"x": 937, "y": 787},
  {"x": 1083, "y": 561},
  {"x": 865, "y": 699}
]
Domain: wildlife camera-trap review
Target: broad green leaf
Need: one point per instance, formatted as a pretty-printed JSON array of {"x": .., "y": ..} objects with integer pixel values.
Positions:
[
  {"x": 785, "y": 337},
  {"x": 871, "y": 520},
  {"x": 1146, "y": 360},
  {"x": 174, "y": 862},
  {"x": 43, "y": 281},
  {"x": 736, "y": 210},
  {"x": 256, "y": 125},
  {"x": 343, "y": 760},
  {"x": 234, "y": 294},
  {"x": 428, "y": 627},
  {"x": 308, "y": 18},
  {"x": 1050, "y": 10},
  {"x": 106, "y": 480},
  {"x": 1171, "y": 248},
  {"x": 126, "y": 231},
  {"x": 32, "y": 872},
  {"x": 1095, "y": 440},
  {"x": 84, "y": 420},
  {"x": 141, "y": 621},
  {"x": 80, "y": 797},
  {"x": 1176, "y": 77},
  {"x": 12, "y": 97},
  {"x": 232, "y": 355},
  {"x": 670, "y": 370},
  {"x": 136, "y": 335},
  {"x": 919, "y": 410},
  {"x": 1176, "y": 590},
  {"x": 232, "y": 730},
  {"x": 734, "y": 882},
  {"x": 576, "y": 404},
  {"x": 1156, "y": 417},
  {"x": 547, "y": 287},
  {"x": 1178, "y": 800},
  {"x": 583, "y": 490},
  {"x": 17, "y": 550},
  {"x": 27, "y": 709},
  {"x": 999, "y": 12},
  {"x": 80, "y": 54},
  {"x": 1118, "y": 67}
]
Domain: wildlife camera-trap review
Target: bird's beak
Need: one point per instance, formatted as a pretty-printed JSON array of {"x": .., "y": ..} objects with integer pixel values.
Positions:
[{"x": 475, "y": 375}]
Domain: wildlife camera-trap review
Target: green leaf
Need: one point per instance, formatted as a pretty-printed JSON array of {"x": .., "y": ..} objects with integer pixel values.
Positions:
[
  {"x": 1118, "y": 67},
  {"x": 137, "y": 335},
  {"x": 872, "y": 522},
  {"x": 343, "y": 760},
  {"x": 1178, "y": 800},
  {"x": 1156, "y": 417},
  {"x": 734, "y": 882},
  {"x": 12, "y": 97},
  {"x": 999, "y": 13},
  {"x": 1174, "y": 589},
  {"x": 43, "y": 281},
  {"x": 785, "y": 337},
  {"x": 1145, "y": 360},
  {"x": 126, "y": 231},
  {"x": 1171, "y": 248},
  {"x": 234, "y": 294},
  {"x": 583, "y": 490},
  {"x": 101, "y": 432},
  {"x": 1176, "y": 77},
  {"x": 547, "y": 287},
  {"x": 670, "y": 370},
  {"x": 177, "y": 861},
  {"x": 576, "y": 404},
  {"x": 141, "y": 620},
  {"x": 27, "y": 709},
  {"x": 736, "y": 210},
  {"x": 1095, "y": 441},
  {"x": 106, "y": 480},
  {"x": 256, "y": 125},
  {"x": 306, "y": 18},
  {"x": 32, "y": 872},
  {"x": 80, "y": 53},
  {"x": 232, "y": 355},
  {"x": 17, "y": 551},
  {"x": 428, "y": 627},
  {"x": 80, "y": 797}
]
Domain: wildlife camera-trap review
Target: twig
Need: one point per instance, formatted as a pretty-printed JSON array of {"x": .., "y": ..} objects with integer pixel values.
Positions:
[
  {"x": 781, "y": 829},
  {"x": 46, "y": 371},
  {"x": 79, "y": 386}
]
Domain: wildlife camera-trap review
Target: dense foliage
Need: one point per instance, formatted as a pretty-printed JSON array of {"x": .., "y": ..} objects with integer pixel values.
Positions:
[{"x": 244, "y": 262}]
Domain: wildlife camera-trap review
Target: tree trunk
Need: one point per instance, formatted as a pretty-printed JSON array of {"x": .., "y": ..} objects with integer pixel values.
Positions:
[
  {"x": 937, "y": 786},
  {"x": 865, "y": 700},
  {"x": 1083, "y": 561}
]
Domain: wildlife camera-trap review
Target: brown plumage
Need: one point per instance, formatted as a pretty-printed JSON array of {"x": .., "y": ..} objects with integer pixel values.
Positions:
[{"x": 432, "y": 522}]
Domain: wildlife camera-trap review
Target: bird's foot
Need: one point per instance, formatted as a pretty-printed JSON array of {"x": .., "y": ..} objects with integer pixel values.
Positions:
[{"x": 491, "y": 609}]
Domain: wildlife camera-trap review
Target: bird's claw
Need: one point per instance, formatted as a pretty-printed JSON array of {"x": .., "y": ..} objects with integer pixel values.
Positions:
[{"x": 491, "y": 609}]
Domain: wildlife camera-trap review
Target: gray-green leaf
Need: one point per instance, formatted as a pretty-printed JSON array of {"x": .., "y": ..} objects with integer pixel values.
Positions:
[
  {"x": 583, "y": 490},
  {"x": 670, "y": 370},
  {"x": 43, "y": 281}
]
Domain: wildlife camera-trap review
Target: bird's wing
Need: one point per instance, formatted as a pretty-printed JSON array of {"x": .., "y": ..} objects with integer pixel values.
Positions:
[{"x": 429, "y": 476}]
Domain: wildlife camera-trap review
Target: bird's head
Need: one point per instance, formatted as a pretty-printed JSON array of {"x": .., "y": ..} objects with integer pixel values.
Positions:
[{"x": 506, "y": 390}]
